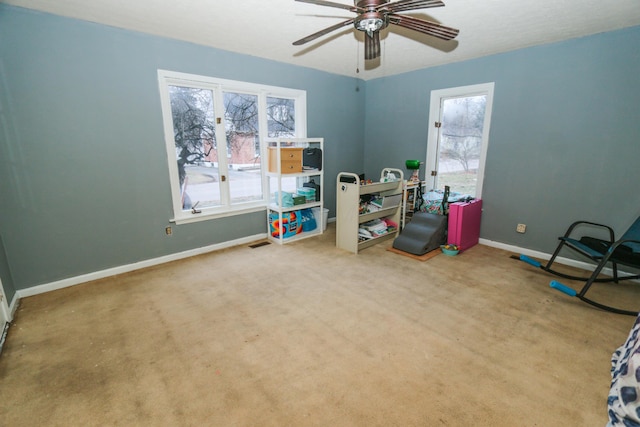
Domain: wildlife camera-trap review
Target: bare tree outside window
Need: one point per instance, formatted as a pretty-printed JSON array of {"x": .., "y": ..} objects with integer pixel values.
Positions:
[
  {"x": 216, "y": 135},
  {"x": 281, "y": 124},
  {"x": 197, "y": 151},
  {"x": 459, "y": 122},
  {"x": 281, "y": 117},
  {"x": 193, "y": 123},
  {"x": 462, "y": 130},
  {"x": 460, "y": 145},
  {"x": 241, "y": 123}
]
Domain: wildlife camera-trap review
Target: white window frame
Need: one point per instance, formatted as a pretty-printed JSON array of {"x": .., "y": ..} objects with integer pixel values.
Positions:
[
  {"x": 435, "y": 115},
  {"x": 218, "y": 86}
]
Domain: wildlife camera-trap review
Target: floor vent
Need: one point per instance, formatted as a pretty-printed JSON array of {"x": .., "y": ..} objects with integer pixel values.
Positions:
[{"x": 257, "y": 245}]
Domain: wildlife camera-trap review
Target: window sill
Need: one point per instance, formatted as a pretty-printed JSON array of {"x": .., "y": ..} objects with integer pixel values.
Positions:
[{"x": 205, "y": 216}]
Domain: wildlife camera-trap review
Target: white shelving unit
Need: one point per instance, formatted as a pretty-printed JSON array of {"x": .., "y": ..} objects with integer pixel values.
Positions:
[
  {"x": 287, "y": 173},
  {"x": 349, "y": 200}
]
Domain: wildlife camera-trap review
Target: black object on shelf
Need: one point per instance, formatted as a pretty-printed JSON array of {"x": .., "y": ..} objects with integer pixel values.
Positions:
[
  {"x": 312, "y": 184},
  {"x": 312, "y": 158}
]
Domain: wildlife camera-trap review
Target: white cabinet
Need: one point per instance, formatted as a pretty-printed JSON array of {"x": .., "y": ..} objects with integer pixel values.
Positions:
[
  {"x": 363, "y": 208},
  {"x": 295, "y": 188}
]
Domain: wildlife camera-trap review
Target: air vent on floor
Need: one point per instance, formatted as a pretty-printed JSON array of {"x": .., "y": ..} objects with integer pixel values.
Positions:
[{"x": 257, "y": 245}]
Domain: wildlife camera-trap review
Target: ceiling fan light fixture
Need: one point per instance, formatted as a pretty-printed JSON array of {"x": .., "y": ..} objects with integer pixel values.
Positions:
[{"x": 369, "y": 25}]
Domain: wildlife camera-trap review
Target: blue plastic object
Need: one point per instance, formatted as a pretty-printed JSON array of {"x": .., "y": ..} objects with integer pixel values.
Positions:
[
  {"x": 563, "y": 288},
  {"x": 530, "y": 261},
  {"x": 450, "y": 252}
]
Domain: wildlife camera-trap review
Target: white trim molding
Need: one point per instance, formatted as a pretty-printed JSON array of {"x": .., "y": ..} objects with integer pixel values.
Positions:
[
  {"x": 545, "y": 256},
  {"x": 72, "y": 281},
  {"x": 65, "y": 283},
  {"x": 7, "y": 308}
]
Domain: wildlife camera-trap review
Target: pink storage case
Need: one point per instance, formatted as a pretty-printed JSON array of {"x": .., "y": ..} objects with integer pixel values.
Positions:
[{"x": 464, "y": 224}]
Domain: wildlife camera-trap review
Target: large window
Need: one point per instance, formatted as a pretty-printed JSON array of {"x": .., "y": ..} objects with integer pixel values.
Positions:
[
  {"x": 459, "y": 120},
  {"x": 216, "y": 133}
]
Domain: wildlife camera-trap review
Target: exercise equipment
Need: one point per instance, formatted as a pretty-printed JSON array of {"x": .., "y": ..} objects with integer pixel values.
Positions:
[
  {"x": 624, "y": 251},
  {"x": 424, "y": 233}
]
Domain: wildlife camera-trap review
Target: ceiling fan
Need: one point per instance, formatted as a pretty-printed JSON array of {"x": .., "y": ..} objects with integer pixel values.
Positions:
[{"x": 376, "y": 15}]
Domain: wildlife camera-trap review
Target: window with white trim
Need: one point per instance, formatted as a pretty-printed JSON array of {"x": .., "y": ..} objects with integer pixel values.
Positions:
[
  {"x": 216, "y": 134},
  {"x": 459, "y": 121}
]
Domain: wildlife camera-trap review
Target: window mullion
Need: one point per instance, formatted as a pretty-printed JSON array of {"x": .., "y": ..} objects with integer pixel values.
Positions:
[
  {"x": 263, "y": 132},
  {"x": 223, "y": 149},
  {"x": 169, "y": 141}
]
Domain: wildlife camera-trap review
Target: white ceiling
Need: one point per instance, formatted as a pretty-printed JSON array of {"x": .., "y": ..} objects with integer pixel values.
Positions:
[{"x": 267, "y": 28}]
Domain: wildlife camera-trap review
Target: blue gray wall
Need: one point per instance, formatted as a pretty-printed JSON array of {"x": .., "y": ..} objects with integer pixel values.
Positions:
[
  {"x": 565, "y": 133},
  {"x": 84, "y": 184}
]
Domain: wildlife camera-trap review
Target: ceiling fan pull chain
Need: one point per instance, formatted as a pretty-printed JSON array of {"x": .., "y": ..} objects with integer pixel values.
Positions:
[
  {"x": 383, "y": 55},
  {"x": 357, "y": 56}
]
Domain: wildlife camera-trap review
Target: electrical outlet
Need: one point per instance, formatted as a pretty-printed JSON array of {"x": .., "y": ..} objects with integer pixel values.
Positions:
[
  {"x": 168, "y": 231},
  {"x": 521, "y": 228}
]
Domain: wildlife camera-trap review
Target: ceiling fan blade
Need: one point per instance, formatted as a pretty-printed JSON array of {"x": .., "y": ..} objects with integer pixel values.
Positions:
[
  {"x": 426, "y": 27},
  {"x": 350, "y": 7},
  {"x": 323, "y": 32},
  {"x": 372, "y": 45},
  {"x": 404, "y": 5}
]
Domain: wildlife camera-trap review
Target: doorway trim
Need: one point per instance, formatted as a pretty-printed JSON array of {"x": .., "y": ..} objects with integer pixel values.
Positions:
[
  {"x": 5, "y": 313},
  {"x": 435, "y": 115},
  {"x": 5, "y": 316}
]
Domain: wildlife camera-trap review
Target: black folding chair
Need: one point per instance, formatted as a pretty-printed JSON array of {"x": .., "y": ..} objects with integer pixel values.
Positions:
[{"x": 625, "y": 252}]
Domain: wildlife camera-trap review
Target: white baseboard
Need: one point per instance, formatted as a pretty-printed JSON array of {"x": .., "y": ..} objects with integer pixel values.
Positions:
[
  {"x": 7, "y": 308},
  {"x": 65, "y": 283},
  {"x": 13, "y": 306},
  {"x": 545, "y": 256}
]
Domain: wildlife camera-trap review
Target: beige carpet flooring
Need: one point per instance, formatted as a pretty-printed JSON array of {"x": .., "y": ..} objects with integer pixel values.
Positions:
[{"x": 306, "y": 334}]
